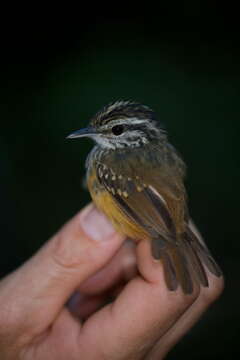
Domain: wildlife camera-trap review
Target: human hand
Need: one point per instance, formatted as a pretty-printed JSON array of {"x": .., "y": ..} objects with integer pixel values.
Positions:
[{"x": 87, "y": 257}]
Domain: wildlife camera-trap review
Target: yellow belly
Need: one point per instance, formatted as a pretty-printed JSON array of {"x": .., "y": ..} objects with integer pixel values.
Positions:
[{"x": 106, "y": 203}]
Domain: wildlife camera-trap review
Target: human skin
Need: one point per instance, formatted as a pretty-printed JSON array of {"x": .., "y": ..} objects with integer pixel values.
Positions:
[{"x": 89, "y": 259}]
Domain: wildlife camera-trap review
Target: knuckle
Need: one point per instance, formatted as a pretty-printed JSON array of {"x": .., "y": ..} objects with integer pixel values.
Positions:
[
  {"x": 206, "y": 295},
  {"x": 180, "y": 301},
  {"x": 67, "y": 252},
  {"x": 196, "y": 292},
  {"x": 189, "y": 299},
  {"x": 211, "y": 294}
]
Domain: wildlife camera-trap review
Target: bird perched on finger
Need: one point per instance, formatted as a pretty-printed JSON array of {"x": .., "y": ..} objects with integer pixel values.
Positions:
[{"x": 136, "y": 177}]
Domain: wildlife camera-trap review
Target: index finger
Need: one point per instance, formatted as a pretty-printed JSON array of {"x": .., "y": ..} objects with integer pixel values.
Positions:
[{"x": 142, "y": 313}]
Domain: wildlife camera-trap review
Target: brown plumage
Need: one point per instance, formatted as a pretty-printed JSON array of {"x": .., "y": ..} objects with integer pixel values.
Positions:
[{"x": 136, "y": 178}]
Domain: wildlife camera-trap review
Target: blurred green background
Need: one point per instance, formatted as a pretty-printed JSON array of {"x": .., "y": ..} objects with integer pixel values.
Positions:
[{"x": 183, "y": 61}]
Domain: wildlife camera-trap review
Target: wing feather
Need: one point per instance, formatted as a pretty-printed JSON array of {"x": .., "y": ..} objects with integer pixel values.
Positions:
[{"x": 161, "y": 213}]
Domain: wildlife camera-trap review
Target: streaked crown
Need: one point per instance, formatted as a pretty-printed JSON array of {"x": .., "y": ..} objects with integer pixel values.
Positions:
[
  {"x": 123, "y": 110},
  {"x": 123, "y": 124}
]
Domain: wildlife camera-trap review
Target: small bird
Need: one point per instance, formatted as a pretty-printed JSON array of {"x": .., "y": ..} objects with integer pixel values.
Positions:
[{"x": 136, "y": 177}]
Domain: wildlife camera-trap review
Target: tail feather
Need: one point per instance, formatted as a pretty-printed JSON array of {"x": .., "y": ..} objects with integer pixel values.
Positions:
[
  {"x": 204, "y": 254},
  {"x": 195, "y": 263},
  {"x": 169, "y": 272},
  {"x": 175, "y": 265},
  {"x": 184, "y": 261},
  {"x": 180, "y": 261}
]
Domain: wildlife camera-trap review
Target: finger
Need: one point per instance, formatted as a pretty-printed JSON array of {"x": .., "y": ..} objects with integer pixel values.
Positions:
[
  {"x": 122, "y": 267},
  {"x": 82, "y": 306},
  {"x": 144, "y": 311},
  {"x": 59, "y": 341},
  {"x": 77, "y": 251},
  {"x": 206, "y": 297},
  {"x": 96, "y": 291}
]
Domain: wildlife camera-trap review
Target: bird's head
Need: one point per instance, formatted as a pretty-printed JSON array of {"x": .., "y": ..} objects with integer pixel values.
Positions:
[{"x": 122, "y": 124}]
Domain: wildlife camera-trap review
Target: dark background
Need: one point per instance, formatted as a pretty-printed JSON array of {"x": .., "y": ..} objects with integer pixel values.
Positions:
[{"x": 182, "y": 59}]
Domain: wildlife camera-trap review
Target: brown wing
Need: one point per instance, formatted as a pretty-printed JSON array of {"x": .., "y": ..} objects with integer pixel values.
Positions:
[
  {"x": 157, "y": 205},
  {"x": 139, "y": 201}
]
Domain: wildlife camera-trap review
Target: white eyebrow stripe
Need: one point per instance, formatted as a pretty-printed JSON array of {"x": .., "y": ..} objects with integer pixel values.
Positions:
[
  {"x": 130, "y": 120},
  {"x": 134, "y": 120}
]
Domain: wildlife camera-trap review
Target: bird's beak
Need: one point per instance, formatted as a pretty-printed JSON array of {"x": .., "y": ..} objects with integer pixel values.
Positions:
[{"x": 86, "y": 132}]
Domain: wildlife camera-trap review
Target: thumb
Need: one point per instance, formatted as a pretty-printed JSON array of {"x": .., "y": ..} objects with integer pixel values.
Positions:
[{"x": 83, "y": 246}]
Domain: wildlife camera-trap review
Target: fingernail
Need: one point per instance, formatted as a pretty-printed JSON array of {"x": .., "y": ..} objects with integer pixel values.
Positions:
[{"x": 95, "y": 224}]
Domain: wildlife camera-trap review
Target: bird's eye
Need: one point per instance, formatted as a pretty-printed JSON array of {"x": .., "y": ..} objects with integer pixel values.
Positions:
[{"x": 117, "y": 129}]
